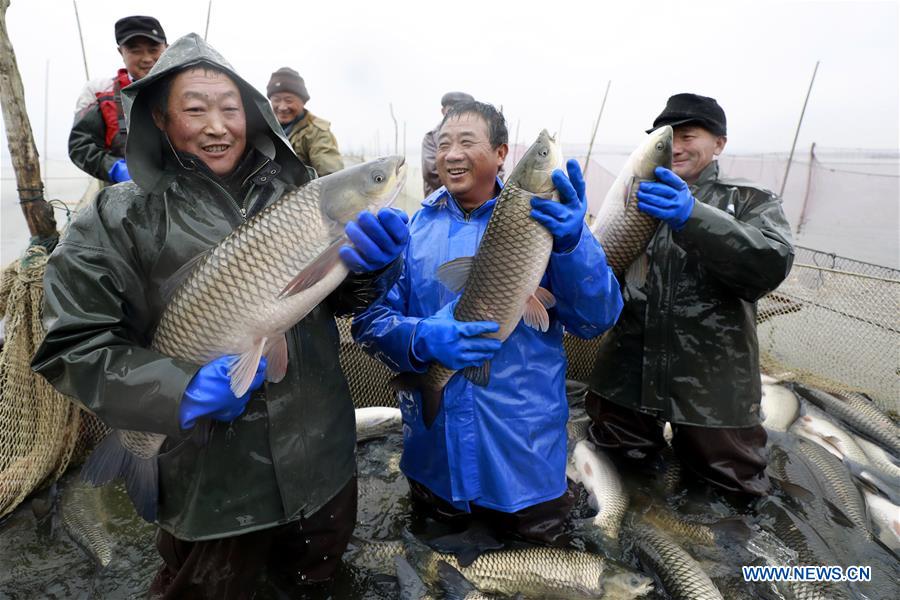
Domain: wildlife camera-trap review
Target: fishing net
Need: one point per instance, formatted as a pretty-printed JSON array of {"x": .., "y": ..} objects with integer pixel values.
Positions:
[
  {"x": 835, "y": 324},
  {"x": 39, "y": 428}
]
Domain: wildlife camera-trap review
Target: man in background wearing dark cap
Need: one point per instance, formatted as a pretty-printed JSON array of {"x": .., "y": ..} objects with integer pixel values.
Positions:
[
  {"x": 429, "y": 142},
  {"x": 97, "y": 140},
  {"x": 309, "y": 135},
  {"x": 685, "y": 348}
]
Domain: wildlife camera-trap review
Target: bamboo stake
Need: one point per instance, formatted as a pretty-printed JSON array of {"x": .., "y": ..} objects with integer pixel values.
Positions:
[
  {"x": 22, "y": 151},
  {"x": 797, "y": 133},
  {"x": 81, "y": 39},
  {"x": 208, "y": 13},
  {"x": 587, "y": 159},
  {"x": 46, "y": 171},
  {"x": 394, "y": 119}
]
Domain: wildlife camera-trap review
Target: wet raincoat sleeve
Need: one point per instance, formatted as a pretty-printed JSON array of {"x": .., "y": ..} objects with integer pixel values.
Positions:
[
  {"x": 588, "y": 299},
  {"x": 99, "y": 322},
  {"x": 386, "y": 331},
  {"x": 86, "y": 144},
  {"x": 751, "y": 252}
]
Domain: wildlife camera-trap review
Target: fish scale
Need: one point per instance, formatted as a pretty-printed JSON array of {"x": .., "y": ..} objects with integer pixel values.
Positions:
[
  {"x": 858, "y": 412},
  {"x": 622, "y": 230},
  {"x": 539, "y": 572},
  {"x": 234, "y": 297},
  {"x": 681, "y": 575}
]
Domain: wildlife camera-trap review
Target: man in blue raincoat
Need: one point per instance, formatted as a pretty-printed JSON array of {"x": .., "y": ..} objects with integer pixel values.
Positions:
[{"x": 498, "y": 449}]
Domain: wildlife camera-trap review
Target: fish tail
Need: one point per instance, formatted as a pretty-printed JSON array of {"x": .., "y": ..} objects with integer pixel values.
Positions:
[
  {"x": 432, "y": 398},
  {"x": 454, "y": 583},
  {"x": 110, "y": 460}
]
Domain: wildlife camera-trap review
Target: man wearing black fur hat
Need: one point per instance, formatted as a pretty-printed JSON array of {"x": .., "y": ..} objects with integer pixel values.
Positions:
[{"x": 685, "y": 348}]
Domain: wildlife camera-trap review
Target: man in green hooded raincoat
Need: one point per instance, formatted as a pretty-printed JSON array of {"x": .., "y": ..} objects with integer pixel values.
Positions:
[{"x": 272, "y": 494}]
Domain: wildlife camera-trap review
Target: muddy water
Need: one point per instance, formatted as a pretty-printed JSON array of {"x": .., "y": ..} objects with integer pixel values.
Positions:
[{"x": 39, "y": 559}]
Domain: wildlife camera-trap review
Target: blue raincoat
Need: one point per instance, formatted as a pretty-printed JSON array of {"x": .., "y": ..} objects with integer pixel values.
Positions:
[{"x": 502, "y": 446}]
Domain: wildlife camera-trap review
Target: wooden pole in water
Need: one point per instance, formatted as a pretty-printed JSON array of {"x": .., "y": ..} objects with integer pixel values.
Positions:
[
  {"x": 81, "y": 39},
  {"x": 394, "y": 119},
  {"x": 797, "y": 133},
  {"x": 22, "y": 151},
  {"x": 587, "y": 159},
  {"x": 46, "y": 171}
]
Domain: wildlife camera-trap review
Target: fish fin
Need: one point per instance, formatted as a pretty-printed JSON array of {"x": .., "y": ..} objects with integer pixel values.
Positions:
[
  {"x": 105, "y": 463},
  {"x": 110, "y": 460},
  {"x": 479, "y": 375},
  {"x": 170, "y": 286},
  {"x": 277, "y": 359},
  {"x": 467, "y": 545},
  {"x": 454, "y": 583},
  {"x": 795, "y": 491},
  {"x": 629, "y": 191},
  {"x": 535, "y": 314},
  {"x": 243, "y": 370},
  {"x": 733, "y": 528},
  {"x": 315, "y": 271},
  {"x": 545, "y": 297},
  {"x": 142, "y": 484},
  {"x": 411, "y": 585},
  {"x": 453, "y": 274},
  {"x": 636, "y": 274},
  {"x": 432, "y": 399}
]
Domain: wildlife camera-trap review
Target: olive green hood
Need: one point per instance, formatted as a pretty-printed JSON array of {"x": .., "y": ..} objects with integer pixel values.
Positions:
[{"x": 147, "y": 146}]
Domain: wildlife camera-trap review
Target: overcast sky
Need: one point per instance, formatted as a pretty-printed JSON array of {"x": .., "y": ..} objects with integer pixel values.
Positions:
[{"x": 546, "y": 65}]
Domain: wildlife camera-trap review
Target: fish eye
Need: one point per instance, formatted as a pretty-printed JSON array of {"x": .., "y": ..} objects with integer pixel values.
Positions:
[
  {"x": 659, "y": 146},
  {"x": 544, "y": 152},
  {"x": 378, "y": 176}
]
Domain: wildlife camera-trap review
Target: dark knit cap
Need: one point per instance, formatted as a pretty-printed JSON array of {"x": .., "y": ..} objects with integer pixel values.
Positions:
[
  {"x": 691, "y": 108},
  {"x": 131, "y": 27},
  {"x": 451, "y": 98},
  {"x": 286, "y": 79}
]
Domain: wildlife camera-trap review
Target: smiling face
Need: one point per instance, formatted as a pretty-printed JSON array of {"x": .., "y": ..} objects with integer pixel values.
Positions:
[
  {"x": 286, "y": 106},
  {"x": 693, "y": 148},
  {"x": 139, "y": 55},
  {"x": 466, "y": 162},
  {"x": 205, "y": 117}
]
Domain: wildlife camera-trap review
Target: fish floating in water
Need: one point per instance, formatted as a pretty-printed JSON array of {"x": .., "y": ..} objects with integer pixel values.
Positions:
[
  {"x": 681, "y": 575},
  {"x": 263, "y": 278},
  {"x": 600, "y": 478},
  {"x": 377, "y": 421}
]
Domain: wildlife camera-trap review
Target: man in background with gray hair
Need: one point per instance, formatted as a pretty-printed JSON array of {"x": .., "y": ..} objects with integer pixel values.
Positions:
[{"x": 429, "y": 142}]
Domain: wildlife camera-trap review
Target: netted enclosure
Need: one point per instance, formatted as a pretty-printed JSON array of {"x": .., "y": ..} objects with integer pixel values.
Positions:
[
  {"x": 41, "y": 431},
  {"x": 835, "y": 324}
]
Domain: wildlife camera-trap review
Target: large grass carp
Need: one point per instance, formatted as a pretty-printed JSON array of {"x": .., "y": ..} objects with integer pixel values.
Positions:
[
  {"x": 501, "y": 282},
  {"x": 601, "y": 479},
  {"x": 859, "y": 413},
  {"x": 244, "y": 294},
  {"x": 536, "y": 571},
  {"x": 681, "y": 575},
  {"x": 622, "y": 229}
]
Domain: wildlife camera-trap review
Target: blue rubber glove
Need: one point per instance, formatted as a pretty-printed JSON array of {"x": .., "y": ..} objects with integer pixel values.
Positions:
[
  {"x": 454, "y": 344},
  {"x": 209, "y": 393},
  {"x": 377, "y": 241},
  {"x": 119, "y": 171},
  {"x": 564, "y": 219},
  {"x": 669, "y": 200}
]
